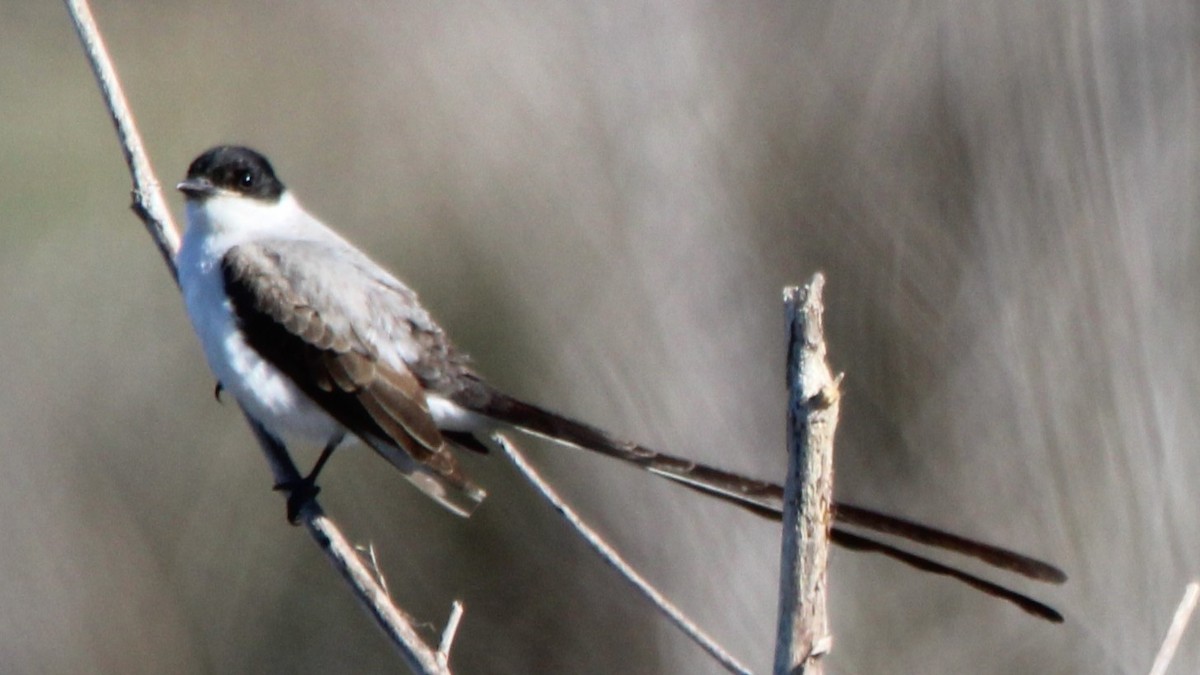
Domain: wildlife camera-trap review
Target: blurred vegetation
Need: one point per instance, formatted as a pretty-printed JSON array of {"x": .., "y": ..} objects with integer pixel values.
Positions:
[{"x": 601, "y": 203}]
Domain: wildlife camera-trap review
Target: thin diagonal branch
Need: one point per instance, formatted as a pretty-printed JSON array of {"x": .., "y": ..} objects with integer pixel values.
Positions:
[
  {"x": 148, "y": 201},
  {"x": 151, "y": 207},
  {"x": 1183, "y": 614},
  {"x": 614, "y": 560}
]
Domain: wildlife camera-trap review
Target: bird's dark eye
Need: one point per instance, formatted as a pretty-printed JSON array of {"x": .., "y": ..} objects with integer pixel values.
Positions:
[{"x": 245, "y": 178}]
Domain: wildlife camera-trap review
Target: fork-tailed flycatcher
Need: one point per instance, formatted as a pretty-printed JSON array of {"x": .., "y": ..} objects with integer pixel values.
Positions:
[{"x": 319, "y": 344}]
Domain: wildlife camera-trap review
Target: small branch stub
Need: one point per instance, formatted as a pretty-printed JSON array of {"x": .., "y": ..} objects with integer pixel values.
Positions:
[
  {"x": 448, "y": 634},
  {"x": 813, "y": 397}
]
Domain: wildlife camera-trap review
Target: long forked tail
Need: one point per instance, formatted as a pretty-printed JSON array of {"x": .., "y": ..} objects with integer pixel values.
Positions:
[{"x": 766, "y": 499}]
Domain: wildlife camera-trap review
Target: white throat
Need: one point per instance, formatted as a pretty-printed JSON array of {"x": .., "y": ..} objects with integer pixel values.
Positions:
[{"x": 239, "y": 219}]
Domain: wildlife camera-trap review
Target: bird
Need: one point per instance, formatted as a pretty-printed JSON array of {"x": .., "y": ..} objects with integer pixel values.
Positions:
[{"x": 320, "y": 345}]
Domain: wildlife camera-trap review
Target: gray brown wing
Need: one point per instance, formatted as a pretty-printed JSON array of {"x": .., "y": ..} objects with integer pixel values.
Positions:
[{"x": 302, "y": 320}]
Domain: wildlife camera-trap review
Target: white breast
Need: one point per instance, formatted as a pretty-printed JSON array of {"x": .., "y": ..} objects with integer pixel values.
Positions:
[{"x": 267, "y": 394}]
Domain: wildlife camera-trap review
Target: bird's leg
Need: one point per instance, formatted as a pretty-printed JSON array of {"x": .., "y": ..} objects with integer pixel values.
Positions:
[
  {"x": 299, "y": 492},
  {"x": 325, "y": 455}
]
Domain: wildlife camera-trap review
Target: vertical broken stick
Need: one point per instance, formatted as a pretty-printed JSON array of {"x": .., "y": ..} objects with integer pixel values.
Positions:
[{"x": 803, "y": 629}]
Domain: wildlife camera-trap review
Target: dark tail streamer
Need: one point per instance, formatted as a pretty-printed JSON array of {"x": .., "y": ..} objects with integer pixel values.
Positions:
[{"x": 766, "y": 499}]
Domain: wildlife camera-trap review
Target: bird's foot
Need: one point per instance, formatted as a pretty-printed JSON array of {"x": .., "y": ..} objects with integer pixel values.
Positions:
[{"x": 300, "y": 492}]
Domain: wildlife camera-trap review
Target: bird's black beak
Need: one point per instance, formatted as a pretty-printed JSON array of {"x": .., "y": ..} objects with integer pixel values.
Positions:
[{"x": 197, "y": 188}]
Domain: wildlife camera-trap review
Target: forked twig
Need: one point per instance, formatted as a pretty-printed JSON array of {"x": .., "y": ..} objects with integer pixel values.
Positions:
[{"x": 368, "y": 550}]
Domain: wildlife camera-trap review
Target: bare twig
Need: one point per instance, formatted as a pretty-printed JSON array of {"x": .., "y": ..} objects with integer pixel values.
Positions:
[
  {"x": 1183, "y": 614},
  {"x": 150, "y": 206},
  {"x": 614, "y": 560},
  {"x": 803, "y": 630}
]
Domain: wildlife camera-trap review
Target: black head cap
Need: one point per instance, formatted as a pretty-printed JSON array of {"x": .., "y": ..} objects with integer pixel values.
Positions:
[{"x": 232, "y": 168}]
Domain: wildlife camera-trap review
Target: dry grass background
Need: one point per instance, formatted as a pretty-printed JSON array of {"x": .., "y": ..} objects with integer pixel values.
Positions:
[{"x": 601, "y": 202}]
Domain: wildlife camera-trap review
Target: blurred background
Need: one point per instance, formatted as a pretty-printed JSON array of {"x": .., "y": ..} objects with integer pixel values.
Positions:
[{"x": 601, "y": 203}]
